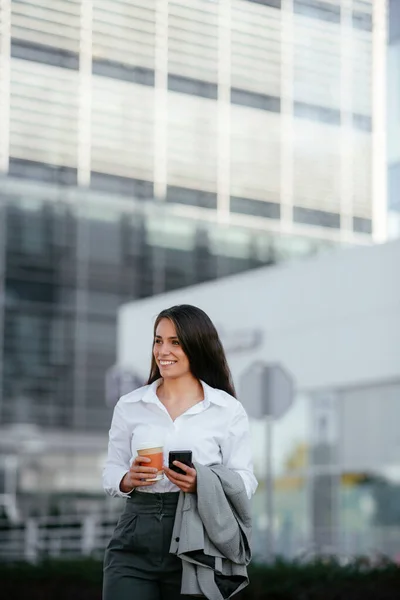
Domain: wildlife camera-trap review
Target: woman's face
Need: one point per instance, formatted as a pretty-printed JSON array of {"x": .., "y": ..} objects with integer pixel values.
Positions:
[{"x": 168, "y": 353}]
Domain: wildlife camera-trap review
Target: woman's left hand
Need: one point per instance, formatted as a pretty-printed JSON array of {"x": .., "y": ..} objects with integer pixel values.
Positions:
[{"x": 188, "y": 482}]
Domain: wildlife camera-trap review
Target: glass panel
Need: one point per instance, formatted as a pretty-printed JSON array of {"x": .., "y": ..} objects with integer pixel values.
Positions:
[
  {"x": 362, "y": 174},
  {"x": 316, "y": 54},
  {"x": 316, "y": 166},
  {"x": 122, "y": 129},
  {"x": 255, "y": 157},
  {"x": 125, "y": 31},
  {"x": 361, "y": 72},
  {"x": 256, "y": 47},
  {"x": 310, "y": 216},
  {"x": 193, "y": 39},
  {"x": 192, "y": 133},
  {"x": 44, "y": 113},
  {"x": 51, "y": 22}
]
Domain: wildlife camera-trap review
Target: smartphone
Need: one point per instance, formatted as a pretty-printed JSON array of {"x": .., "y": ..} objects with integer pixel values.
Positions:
[{"x": 184, "y": 456}]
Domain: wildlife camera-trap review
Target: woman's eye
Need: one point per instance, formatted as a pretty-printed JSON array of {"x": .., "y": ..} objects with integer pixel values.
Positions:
[
  {"x": 175, "y": 343},
  {"x": 157, "y": 341}
]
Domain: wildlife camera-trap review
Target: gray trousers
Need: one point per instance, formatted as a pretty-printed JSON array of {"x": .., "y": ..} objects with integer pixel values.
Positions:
[{"x": 137, "y": 562}]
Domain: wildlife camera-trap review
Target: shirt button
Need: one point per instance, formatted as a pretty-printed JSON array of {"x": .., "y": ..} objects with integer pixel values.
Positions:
[{"x": 177, "y": 539}]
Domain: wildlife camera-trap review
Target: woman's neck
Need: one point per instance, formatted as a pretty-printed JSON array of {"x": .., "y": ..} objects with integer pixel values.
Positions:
[{"x": 186, "y": 387}]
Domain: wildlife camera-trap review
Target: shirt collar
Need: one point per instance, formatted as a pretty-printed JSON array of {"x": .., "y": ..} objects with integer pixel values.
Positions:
[{"x": 211, "y": 395}]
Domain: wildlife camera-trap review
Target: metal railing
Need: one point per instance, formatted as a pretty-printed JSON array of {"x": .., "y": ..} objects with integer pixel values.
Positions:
[
  {"x": 54, "y": 537},
  {"x": 88, "y": 535}
]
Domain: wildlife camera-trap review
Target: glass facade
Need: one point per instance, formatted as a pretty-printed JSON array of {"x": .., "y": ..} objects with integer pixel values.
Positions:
[
  {"x": 146, "y": 146},
  {"x": 70, "y": 262}
]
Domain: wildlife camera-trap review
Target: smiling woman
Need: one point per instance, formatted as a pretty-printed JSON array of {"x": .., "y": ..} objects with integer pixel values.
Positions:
[
  {"x": 188, "y": 404},
  {"x": 190, "y": 330},
  {"x": 168, "y": 354}
]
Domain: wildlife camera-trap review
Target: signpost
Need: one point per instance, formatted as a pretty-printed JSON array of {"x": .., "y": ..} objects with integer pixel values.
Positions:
[{"x": 267, "y": 393}]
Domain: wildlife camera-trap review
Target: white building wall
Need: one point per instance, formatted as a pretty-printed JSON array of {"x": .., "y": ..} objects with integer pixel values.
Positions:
[{"x": 333, "y": 320}]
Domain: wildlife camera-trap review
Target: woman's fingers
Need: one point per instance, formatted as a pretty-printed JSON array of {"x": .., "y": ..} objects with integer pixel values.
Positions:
[
  {"x": 189, "y": 472},
  {"x": 141, "y": 459},
  {"x": 140, "y": 474},
  {"x": 137, "y": 469},
  {"x": 136, "y": 466},
  {"x": 144, "y": 483},
  {"x": 186, "y": 483}
]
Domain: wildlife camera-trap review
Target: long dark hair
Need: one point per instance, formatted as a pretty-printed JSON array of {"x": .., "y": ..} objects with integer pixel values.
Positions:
[{"x": 201, "y": 344}]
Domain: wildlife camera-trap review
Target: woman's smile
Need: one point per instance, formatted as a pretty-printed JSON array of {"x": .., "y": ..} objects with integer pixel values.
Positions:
[{"x": 166, "y": 363}]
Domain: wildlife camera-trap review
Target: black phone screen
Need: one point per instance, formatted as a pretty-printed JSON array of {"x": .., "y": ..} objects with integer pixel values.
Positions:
[{"x": 184, "y": 456}]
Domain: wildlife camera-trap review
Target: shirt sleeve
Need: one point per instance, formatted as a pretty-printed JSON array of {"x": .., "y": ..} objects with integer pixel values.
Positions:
[
  {"x": 236, "y": 449},
  {"x": 119, "y": 454}
]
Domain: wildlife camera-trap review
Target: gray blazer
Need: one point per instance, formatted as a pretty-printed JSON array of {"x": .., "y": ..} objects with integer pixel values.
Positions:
[{"x": 211, "y": 534}]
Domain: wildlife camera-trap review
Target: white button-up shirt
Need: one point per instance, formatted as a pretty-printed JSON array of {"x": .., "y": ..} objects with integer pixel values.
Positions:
[{"x": 216, "y": 430}]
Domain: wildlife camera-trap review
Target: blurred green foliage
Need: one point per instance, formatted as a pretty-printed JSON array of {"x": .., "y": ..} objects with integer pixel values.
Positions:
[{"x": 319, "y": 580}]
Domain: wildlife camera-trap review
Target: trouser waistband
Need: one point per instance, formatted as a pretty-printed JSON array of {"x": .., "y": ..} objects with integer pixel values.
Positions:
[{"x": 152, "y": 503}]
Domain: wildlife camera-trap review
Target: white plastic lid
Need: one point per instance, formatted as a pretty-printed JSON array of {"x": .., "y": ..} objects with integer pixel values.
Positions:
[{"x": 149, "y": 445}]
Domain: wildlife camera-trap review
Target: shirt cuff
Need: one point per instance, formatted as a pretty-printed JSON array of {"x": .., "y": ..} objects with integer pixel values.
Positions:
[{"x": 120, "y": 492}]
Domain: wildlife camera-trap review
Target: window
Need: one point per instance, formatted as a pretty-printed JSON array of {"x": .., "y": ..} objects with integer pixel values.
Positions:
[
  {"x": 187, "y": 85},
  {"x": 256, "y": 208},
  {"x": 362, "y": 21},
  {"x": 310, "y": 216},
  {"x": 192, "y": 197},
  {"x": 123, "y": 71},
  {"x": 121, "y": 185},
  {"x": 363, "y": 122},
  {"x": 362, "y": 225},
  {"x": 255, "y": 100},
  {"x": 273, "y": 3},
  {"x": 28, "y": 169},
  {"x": 317, "y": 10},
  {"x": 317, "y": 113},
  {"x": 394, "y": 186},
  {"x": 40, "y": 53},
  {"x": 394, "y": 21}
]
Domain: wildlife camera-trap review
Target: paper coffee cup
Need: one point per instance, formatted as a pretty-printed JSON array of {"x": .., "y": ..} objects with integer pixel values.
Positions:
[{"x": 155, "y": 452}]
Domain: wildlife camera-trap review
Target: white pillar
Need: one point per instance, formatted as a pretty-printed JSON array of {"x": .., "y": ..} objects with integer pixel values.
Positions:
[
  {"x": 224, "y": 110},
  {"x": 5, "y": 68},
  {"x": 379, "y": 93},
  {"x": 287, "y": 101}
]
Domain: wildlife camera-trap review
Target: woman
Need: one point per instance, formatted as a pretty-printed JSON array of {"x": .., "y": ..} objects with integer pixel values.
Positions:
[{"x": 189, "y": 403}]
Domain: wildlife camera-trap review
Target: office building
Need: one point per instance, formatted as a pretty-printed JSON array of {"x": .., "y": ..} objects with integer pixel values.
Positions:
[{"x": 149, "y": 145}]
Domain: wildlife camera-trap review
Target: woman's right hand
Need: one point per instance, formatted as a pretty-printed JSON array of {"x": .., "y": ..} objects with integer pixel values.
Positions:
[{"x": 137, "y": 475}]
